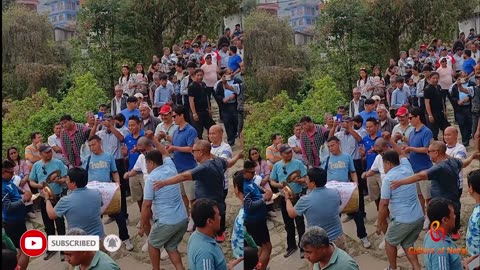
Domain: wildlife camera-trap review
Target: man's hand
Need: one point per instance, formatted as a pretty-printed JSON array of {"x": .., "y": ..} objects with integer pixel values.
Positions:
[
  {"x": 431, "y": 119},
  {"x": 126, "y": 175},
  {"x": 386, "y": 135},
  {"x": 158, "y": 185},
  {"x": 267, "y": 195},
  {"x": 124, "y": 151},
  {"x": 287, "y": 194},
  {"x": 397, "y": 136},
  {"x": 364, "y": 175},
  {"x": 27, "y": 196},
  {"x": 170, "y": 148},
  {"x": 141, "y": 231},
  {"x": 234, "y": 263},
  {"x": 162, "y": 135},
  {"x": 361, "y": 151},
  {"x": 406, "y": 149},
  {"x": 195, "y": 117},
  {"x": 149, "y": 134},
  {"x": 381, "y": 227},
  {"x": 396, "y": 184}
]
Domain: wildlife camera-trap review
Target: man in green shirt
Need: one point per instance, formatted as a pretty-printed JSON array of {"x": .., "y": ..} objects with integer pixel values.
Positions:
[
  {"x": 323, "y": 254},
  {"x": 91, "y": 260}
]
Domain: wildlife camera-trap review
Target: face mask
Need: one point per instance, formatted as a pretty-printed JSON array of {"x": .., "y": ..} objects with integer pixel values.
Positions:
[
  {"x": 118, "y": 125},
  {"x": 356, "y": 127}
]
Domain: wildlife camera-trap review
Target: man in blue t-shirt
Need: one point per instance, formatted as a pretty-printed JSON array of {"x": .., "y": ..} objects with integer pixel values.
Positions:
[
  {"x": 339, "y": 167},
  {"x": 169, "y": 213},
  {"x": 320, "y": 207},
  {"x": 468, "y": 63},
  {"x": 256, "y": 211},
  {"x": 183, "y": 139},
  {"x": 370, "y": 111},
  {"x": 101, "y": 167},
  {"x": 443, "y": 176},
  {"x": 234, "y": 61},
  {"x": 82, "y": 207},
  {"x": 208, "y": 177},
  {"x": 54, "y": 171},
  {"x": 132, "y": 108},
  {"x": 13, "y": 208},
  {"x": 442, "y": 211}
]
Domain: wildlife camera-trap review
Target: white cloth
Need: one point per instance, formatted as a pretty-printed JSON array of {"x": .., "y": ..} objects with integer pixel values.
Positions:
[
  {"x": 54, "y": 140},
  {"x": 377, "y": 166},
  {"x": 224, "y": 150},
  {"x": 293, "y": 141}
]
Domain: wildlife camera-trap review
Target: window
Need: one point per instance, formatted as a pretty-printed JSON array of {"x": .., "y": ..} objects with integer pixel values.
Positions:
[
  {"x": 61, "y": 17},
  {"x": 60, "y": 6},
  {"x": 300, "y": 22},
  {"x": 69, "y": 17},
  {"x": 54, "y": 19}
]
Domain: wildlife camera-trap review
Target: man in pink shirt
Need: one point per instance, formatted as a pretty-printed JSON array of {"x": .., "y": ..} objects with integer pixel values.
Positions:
[
  {"x": 446, "y": 76},
  {"x": 211, "y": 74}
]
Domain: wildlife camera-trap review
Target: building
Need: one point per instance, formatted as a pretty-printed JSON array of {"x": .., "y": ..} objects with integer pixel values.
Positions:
[
  {"x": 472, "y": 22},
  {"x": 32, "y": 4},
  {"x": 302, "y": 14},
  {"x": 270, "y": 6},
  {"x": 62, "y": 13}
]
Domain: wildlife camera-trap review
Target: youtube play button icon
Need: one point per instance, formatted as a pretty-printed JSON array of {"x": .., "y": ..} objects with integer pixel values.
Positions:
[{"x": 33, "y": 243}]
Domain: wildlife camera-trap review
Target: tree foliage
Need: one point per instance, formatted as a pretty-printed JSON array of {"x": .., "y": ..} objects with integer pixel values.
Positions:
[
  {"x": 281, "y": 113},
  {"x": 41, "y": 111},
  {"x": 273, "y": 63},
  {"x": 30, "y": 58},
  {"x": 116, "y": 32},
  {"x": 351, "y": 34}
]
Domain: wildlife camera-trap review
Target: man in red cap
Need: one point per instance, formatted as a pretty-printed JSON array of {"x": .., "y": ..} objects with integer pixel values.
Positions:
[
  {"x": 187, "y": 49},
  {"x": 422, "y": 54},
  {"x": 167, "y": 127},
  {"x": 401, "y": 132}
]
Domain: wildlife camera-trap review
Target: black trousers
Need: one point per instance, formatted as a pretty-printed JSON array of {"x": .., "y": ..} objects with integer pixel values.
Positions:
[
  {"x": 50, "y": 225},
  {"x": 463, "y": 116},
  {"x": 186, "y": 104},
  {"x": 204, "y": 121},
  {"x": 362, "y": 185},
  {"x": 230, "y": 121},
  {"x": 290, "y": 225},
  {"x": 440, "y": 123},
  {"x": 121, "y": 168}
]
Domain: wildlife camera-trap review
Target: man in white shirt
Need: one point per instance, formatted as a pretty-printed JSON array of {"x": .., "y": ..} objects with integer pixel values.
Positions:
[
  {"x": 55, "y": 143},
  {"x": 219, "y": 148},
  {"x": 167, "y": 127},
  {"x": 224, "y": 56},
  {"x": 458, "y": 56},
  {"x": 357, "y": 104},
  {"x": 294, "y": 142},
  {"x": 239, "y": 45},
  {"x": 455, "y": 150},
  {"x": 401, "y": 131}
]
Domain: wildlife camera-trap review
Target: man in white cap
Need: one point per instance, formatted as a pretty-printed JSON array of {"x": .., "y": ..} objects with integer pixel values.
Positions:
[
  {"x": 386, "y": 123},
  {"x": 148, "y": 121},
  {"x": 139, "y": 97},
  {"x": 377, "y": 100},
  {"x": 357, "y": 104}
]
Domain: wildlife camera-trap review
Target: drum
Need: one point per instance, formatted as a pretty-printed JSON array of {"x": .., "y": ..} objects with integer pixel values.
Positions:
[
  {"x": 111, "y": 196},
  {"x": 115, "y": 205},
  {"x": 348, "y": 195}
]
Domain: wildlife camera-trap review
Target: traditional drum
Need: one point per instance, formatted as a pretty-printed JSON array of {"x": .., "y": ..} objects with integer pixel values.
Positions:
[
  {"x": 348, "y": 194},
  {"x": 110, "y": 196}
]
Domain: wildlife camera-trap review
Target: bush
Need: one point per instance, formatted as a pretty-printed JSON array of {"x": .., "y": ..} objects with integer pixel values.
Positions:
[
  {"x": 40, "y": 112},
  {"x": 281, "y": 113}
]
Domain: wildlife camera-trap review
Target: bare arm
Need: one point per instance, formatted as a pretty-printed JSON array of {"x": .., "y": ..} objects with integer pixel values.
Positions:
[
  {"x": 427, "y": 106},
  {"x": 382, "y": 216},
  {"x": 290, "y": 209},
  {"x": 410, "y": 180},
  {"x": 146, "y": 215},
  {"x": 469, "y": 160},
  {"x": 184, "y": 149},
  {"x": 50, "y": 210},
  {"x": 353, "y": 175},
  {"x": 234, "y": 160},
  {"x": 173, "y": 180},
  {"x": 192, "y": 105},
  {"x": 116, "y": 177}
]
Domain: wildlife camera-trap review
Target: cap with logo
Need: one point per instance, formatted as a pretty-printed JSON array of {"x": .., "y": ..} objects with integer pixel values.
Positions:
[
  {"x": 138, "y": 95},
  {"x": 402, "y": 111},
  {"x": 284, "y": 148},
  {"x": 166, "y": 109},
  {"x": 44, "y": 148}
]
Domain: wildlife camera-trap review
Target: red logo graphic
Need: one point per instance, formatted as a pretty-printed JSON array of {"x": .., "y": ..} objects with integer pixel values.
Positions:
[
  {"x": 436, "y": 232},
  {"x": 33, "y": 243}
]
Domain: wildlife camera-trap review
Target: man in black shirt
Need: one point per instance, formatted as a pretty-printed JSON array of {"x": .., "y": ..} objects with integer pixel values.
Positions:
[
  {"x": 199, "y": 103},
  {"x": 435, "y": 106}
]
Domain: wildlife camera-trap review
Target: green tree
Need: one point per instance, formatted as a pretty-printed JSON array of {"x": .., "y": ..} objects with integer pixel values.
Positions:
[
  {"x": 281, "y": 113},
  {"x": 40, "y": 111},
  {"x": 27, "y": 49},
  {"x": 272, "y": 62}
]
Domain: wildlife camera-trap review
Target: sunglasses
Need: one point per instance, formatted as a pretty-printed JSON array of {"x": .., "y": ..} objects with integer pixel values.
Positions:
[
  {"x": 44, "y": 170},
  {"x": 284, "y": 170}
]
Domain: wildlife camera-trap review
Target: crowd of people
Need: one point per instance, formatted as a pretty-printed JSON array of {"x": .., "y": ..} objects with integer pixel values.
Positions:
[
  {"x": 149, "y": 141},
  {"x": 386, "y": 141}
]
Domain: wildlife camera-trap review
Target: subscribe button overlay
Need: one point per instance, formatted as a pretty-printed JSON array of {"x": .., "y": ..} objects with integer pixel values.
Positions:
[{"x": 73, "y": 243}]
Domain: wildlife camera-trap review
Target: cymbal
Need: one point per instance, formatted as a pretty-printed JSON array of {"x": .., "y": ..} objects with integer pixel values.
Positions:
[
  {"x": 293, "y": 175},
  {"x": 50, "y": 177}
]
